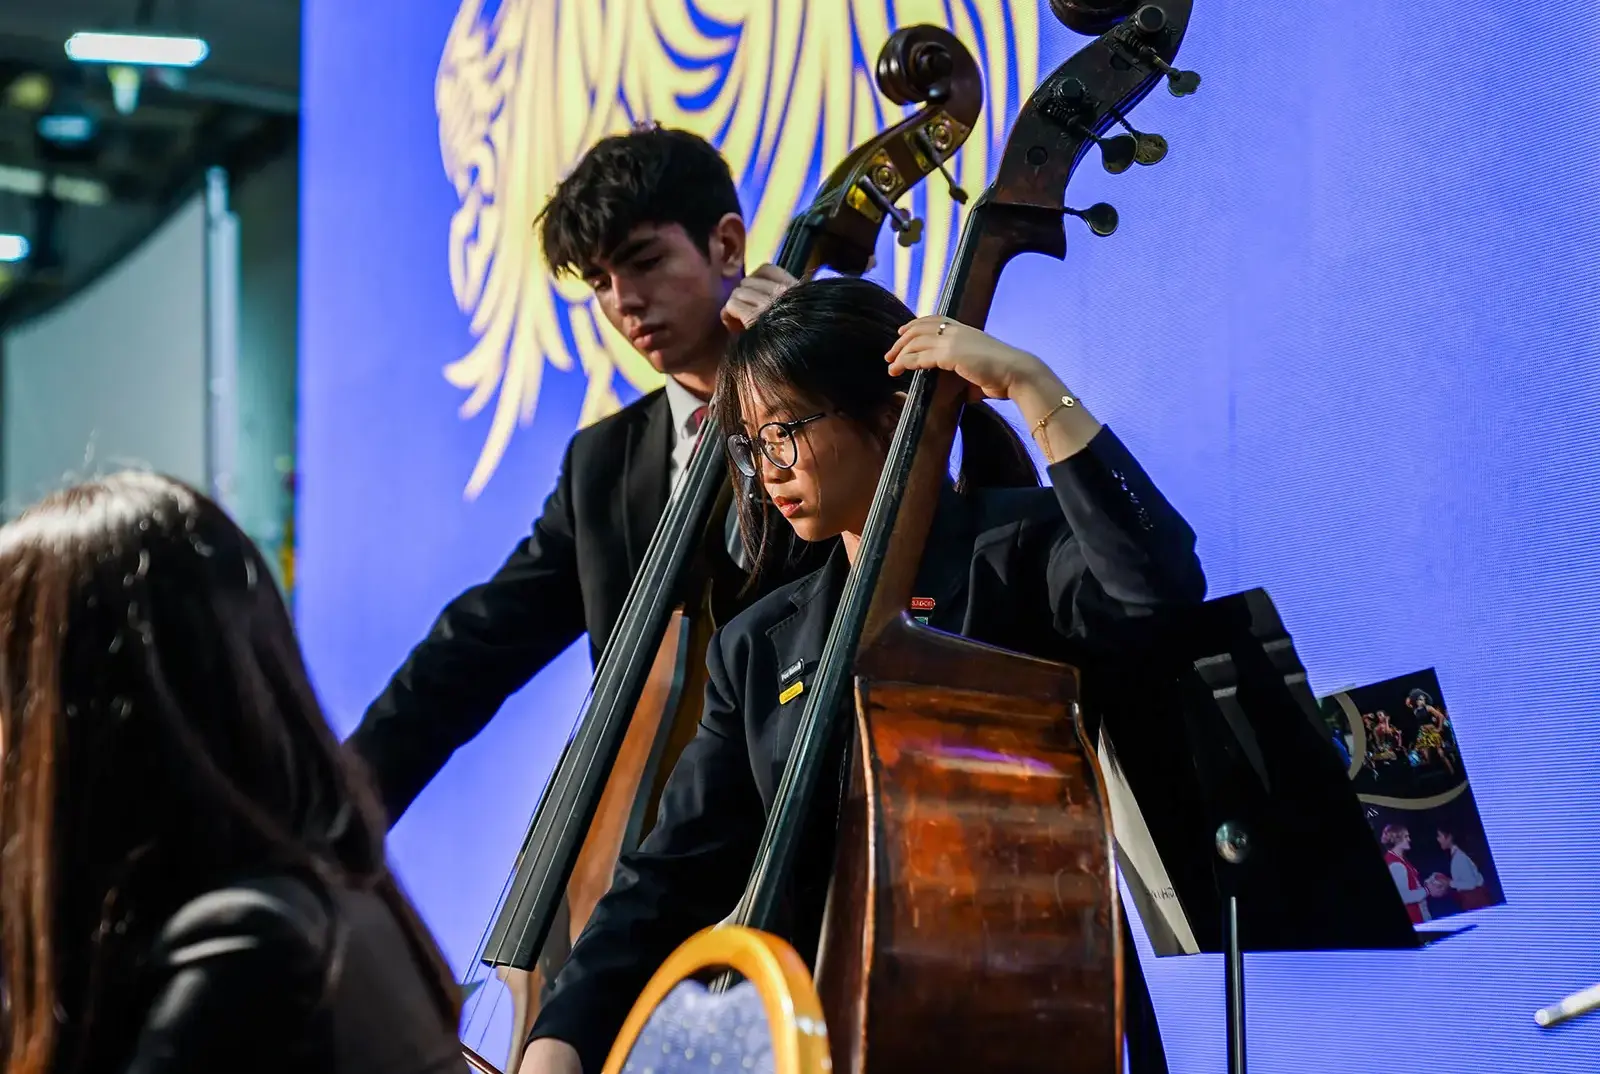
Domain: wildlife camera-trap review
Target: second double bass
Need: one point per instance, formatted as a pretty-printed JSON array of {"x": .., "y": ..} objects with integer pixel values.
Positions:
[{"x": 982, "y": 896}]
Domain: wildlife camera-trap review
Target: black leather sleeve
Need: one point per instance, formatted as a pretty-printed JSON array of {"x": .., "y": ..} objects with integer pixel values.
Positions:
[{"x": 486, "y": 644}]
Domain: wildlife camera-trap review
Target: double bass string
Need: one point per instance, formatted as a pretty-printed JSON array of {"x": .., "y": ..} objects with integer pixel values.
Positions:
[{"x": 622, "y": 652}]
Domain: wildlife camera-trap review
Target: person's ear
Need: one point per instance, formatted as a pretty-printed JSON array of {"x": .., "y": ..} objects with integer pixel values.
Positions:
[
  {"x": 727, "y": 246},
  {"x": 889, "y": 416}
]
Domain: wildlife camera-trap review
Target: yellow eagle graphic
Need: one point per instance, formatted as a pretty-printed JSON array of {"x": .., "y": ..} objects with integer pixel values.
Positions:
[{"x": 526, "y": 86}]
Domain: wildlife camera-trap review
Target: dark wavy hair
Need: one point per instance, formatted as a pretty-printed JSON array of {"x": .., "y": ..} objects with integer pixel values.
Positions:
[
  {"x": 823, "y": 341},
  {"x": 651, "y": 175},
  {"x": 158, "y": 736}
]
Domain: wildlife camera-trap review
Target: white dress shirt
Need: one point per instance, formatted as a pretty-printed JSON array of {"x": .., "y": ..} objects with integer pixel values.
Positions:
[
  {"x": 682, "y": 403},
  {"x": 685, "y": 429}
]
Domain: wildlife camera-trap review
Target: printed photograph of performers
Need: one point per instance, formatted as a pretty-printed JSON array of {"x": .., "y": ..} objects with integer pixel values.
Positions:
[
  {"x": 1400, "y": 732},
  {"x": 1396, "y": 741},
  {"x": 1438, "y": 856}
]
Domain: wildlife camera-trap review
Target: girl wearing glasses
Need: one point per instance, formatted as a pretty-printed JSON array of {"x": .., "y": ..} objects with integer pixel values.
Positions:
[{"x": 810, "y": 394}]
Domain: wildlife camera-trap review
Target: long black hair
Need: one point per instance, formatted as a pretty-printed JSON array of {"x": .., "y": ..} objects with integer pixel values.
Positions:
[
  {"x": 158, "y": 736},
  {"x": 823, "y": 342}
]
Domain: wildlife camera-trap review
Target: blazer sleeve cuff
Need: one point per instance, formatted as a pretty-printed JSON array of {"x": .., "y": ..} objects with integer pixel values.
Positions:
[
  {"x": 1110, "y": 502},
  {"x": 1105, "y": 479}
]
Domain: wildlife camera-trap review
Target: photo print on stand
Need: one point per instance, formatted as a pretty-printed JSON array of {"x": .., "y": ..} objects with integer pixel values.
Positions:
[{"x": 1398, "y": 745}]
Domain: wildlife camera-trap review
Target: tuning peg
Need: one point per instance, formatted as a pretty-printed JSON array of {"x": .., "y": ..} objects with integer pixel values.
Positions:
[
  {"x": 1069, "y": 96},
  {"x": 926, "y": 145},
  {"x": 1116, "y": 154},
  {"x": 1150, "y": 20},
  {"x": 1101, "y": 218},
  {"x": 907, "y": 226},
  {"x": 1182, "y": 83},
  {"x": 1179, "y": 83},
  {"x": 1152, "y": 148},
  {"x": 1067, "y": 102}
]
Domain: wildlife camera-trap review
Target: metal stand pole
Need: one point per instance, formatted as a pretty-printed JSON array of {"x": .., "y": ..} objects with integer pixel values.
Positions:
[
  {"x": 1233, "y": 986},
  {"x": 1233, "y": 846}
]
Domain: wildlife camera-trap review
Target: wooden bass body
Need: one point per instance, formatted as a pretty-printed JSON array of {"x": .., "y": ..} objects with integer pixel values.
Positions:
[{"x": 975, "y": 879}]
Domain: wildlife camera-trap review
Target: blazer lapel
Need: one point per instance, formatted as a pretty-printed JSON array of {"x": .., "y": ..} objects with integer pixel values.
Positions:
[
  {"x": 644, "y": 478},
  {"x": 940, "y": 596},
  {"x": 797, "y": 642},
  {"x": 798, "y": 639}
]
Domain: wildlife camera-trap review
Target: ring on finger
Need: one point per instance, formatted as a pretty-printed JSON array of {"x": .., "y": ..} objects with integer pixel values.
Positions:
[{"x": 942, "y": 326}]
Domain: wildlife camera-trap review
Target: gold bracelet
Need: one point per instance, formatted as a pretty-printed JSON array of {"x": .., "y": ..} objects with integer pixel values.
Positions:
[{"x": 1067, "y": 403}]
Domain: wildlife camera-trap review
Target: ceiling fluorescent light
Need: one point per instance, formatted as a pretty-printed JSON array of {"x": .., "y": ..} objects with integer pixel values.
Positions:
[
  {"x": 146, "y": 50},
  {"x": 79, "y": 191},
  {"x": 13, "y": 247},
  {"x": 31, "y": 184},
  {"x": 24, "y": 181}
]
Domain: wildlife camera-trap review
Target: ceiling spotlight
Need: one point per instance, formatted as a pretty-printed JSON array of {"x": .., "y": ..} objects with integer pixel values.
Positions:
[
  {"x": 13, "y": 247},
  {"x": 146, "y": 50}
]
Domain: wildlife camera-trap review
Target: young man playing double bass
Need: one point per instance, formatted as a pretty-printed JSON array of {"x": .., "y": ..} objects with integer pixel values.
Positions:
[{"x": 651, "y": 220}]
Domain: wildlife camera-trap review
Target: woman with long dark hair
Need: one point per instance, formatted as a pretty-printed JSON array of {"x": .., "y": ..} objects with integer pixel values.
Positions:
[
  {"x": 810, "y": 394},
  {"x": 193, "y": 877}
]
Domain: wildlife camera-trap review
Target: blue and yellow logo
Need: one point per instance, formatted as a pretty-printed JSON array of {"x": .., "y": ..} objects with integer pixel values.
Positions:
[{"x": 525, "y": 86}]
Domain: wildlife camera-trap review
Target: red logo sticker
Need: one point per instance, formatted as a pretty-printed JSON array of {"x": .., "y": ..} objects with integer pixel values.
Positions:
[{"x": 922, "y": 604}]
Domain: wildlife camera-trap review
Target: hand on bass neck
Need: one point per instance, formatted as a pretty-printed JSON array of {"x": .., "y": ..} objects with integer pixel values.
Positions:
[{"x": 1057, "y": 420}]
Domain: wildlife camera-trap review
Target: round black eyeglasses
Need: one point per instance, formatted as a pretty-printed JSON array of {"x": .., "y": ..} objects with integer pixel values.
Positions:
[{"x": 777, "y": 444}]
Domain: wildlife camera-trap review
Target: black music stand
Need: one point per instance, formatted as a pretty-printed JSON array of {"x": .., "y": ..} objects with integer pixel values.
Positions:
[{"x": 1246, "y": 804}]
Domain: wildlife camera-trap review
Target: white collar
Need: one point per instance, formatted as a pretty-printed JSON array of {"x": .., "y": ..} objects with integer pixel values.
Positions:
[{"x": 682, "y": 403}]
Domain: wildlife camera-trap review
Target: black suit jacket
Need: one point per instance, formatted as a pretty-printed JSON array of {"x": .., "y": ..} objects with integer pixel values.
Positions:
[
  {"x": 570, "y": 575},
  {"x": 1053, "y": 572},
  {"x": 267, "y": 975}
]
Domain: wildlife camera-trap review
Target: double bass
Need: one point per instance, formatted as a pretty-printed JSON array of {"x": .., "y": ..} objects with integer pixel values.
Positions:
[
  {"x": 644, "y": 702},
  {"x": 973, "y": 920}
]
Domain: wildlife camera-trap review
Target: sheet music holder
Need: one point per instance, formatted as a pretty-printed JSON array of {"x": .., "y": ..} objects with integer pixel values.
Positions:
[{"x": 1238, "y": 829}]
